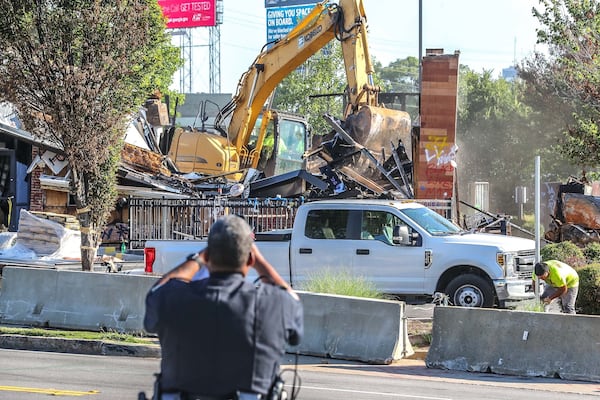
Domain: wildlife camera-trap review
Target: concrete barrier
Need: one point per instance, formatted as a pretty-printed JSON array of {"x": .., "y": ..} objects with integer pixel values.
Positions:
[
  {"x": 516, "y": 343},
  {"x": 352, "y": 328},
  {"x": 73, "y": 299},
  {"x": 26, "y": 292},
  {"x": 342, "y": 327}
]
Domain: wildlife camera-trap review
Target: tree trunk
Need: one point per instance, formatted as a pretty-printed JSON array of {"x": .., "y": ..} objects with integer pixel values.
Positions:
[
  {"x": 89, "y": 243},
  {"x": 89, "y": 237}
]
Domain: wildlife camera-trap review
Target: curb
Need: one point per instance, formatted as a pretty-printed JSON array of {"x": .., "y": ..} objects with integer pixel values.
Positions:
[
  {"x": 419, "y": 354},
  {"x": 78, "y": 346}
]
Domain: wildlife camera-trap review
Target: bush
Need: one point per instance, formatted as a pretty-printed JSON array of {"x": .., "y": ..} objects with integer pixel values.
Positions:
[
  {"x": 341, "y": 282},
  {"x": 592, "y": 252},
  {"x": 533, "y": 305},
  {"x": 567, "y": 252},
  {"x": 588, "y": 297}
]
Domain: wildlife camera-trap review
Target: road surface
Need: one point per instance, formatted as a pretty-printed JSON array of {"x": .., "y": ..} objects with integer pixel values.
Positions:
[{"x": 37, "y": 375}]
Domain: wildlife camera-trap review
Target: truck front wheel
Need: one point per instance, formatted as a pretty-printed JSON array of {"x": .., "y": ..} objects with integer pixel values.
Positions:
[{"x": 470, "y": 291}]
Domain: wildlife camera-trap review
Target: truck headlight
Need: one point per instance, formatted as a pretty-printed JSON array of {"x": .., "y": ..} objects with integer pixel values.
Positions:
[{"x": 507, "y": 262}]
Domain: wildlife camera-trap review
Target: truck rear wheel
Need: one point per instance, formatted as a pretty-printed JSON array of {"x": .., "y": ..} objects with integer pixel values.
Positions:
[{"x": 470, "y": 291}]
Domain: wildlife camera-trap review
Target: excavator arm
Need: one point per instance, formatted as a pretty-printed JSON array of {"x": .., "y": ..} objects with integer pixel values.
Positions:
[
  {"x": 367, "y": 127},
  {"x": 346, "y": 22}
]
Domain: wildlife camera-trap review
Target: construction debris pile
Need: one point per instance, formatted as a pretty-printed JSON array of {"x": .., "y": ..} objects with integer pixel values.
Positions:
[
  {"x": 576, "y": 215},
  {"x": 338, "y": 166}
]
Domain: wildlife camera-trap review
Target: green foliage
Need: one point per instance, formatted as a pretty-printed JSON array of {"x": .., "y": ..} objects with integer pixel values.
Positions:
[
  {"x": 484, "y": 97},
  {"x": 401, "y": 75},
  {"x": 101, "y": 188},
  {"x": 592, "y": 252},
  {"x": 498, "y": 136},
  {"x": 568, "y": 79},
  {"x": 588, "y": 297},
  {"x": 76, "y": 71},
  {"x": 317, "y": 87},
  {"x": 321, "y": 75},
  {"x": 83, "y": 335},
  {"x": 342, "y": 283},
  {"x": 566, "y": 251},
  {"x": 427, "y": 337},
  {"x": 582, "y": 143},
  {"x": 534, "y": 305}
]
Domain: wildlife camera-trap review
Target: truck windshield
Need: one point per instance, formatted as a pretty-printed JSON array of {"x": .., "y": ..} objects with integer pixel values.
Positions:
[{"x": 431, "y": 221}]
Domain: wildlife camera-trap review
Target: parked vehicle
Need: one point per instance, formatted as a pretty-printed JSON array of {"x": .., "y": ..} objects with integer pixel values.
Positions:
[{"x": 404, "y": 248}]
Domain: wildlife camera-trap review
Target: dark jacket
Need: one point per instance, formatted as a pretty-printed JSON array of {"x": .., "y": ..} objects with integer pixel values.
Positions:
[{"x": 222, "y": 334}]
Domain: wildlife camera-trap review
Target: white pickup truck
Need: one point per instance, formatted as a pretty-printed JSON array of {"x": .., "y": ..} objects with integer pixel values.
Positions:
[{"x": 404, "y": 248}]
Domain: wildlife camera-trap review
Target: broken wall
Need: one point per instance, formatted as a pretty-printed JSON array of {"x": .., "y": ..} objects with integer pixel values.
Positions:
[{"x": 436, "y": 148}]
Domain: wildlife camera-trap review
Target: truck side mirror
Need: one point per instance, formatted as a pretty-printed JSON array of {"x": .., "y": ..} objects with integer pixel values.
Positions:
[
  {"x": 401, "y": 235},
  {"x": 404, "y": 237}
]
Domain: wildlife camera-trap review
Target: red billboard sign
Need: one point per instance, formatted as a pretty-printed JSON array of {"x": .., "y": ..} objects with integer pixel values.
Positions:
[{"x": 188, "y": 14}]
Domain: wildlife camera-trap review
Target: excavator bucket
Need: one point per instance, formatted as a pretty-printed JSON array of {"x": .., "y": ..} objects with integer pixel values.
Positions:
[
  {"x": 380, "y": 131},
  {"x": 377, "y": 128},
  {"x": 368, "y": 148}
]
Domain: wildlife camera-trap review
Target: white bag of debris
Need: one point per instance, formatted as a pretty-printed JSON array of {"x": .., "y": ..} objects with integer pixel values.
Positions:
[
  {"x": 7, "y": 240},
  {"x": 18, "y": 252},
  {"x": 47, "y": 235}
]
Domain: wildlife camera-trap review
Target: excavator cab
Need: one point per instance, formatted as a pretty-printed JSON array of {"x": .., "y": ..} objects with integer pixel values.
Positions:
[{"x": 284, "y": 142}]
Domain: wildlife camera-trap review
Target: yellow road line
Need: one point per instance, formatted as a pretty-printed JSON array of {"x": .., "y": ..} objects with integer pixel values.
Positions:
[{"x": 55, "y": 392}]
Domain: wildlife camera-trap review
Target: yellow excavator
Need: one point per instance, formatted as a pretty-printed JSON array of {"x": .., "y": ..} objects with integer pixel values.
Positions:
[{"x": 242, "y": 144}]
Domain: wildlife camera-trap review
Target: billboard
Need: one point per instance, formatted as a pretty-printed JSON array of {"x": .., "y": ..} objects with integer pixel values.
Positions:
[
  {"x": 286, "y": 3},
  {"x": 188, "y": 14},
  {"x": 281, "y": 20}
]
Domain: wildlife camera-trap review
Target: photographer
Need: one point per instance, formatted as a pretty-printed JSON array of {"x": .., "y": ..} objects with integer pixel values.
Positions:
[{"x": 222, "y": 335}]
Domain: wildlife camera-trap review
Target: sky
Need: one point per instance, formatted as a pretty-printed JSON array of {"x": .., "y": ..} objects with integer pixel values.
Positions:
[{"x": 490, "y": 34}]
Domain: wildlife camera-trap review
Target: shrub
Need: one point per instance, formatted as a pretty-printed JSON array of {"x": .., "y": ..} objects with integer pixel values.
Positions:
[
  {"x": 567, "y": 252},
  {"x": 588, "y": 297},
  {"x": 592, "y": 252},
  {"x": 533, "y": 305},
  {"x": 341, "y": 282}
]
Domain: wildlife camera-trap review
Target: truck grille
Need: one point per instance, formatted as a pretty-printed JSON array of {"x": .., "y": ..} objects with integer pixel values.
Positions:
[{"x": 524, "y": 263}]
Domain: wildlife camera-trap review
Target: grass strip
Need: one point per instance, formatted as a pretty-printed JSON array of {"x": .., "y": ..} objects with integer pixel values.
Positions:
[{"x": 104, "y": 336}]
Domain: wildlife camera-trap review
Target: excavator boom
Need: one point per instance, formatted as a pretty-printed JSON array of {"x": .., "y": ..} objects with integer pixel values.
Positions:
[
  {"x": 368, "y": 124},
  {"x": 346, "y": 22}
]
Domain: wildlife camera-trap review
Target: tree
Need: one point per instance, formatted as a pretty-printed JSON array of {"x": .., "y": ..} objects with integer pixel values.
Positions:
[
  {"x": 76, "y": 70},
  {"x": 570, "y": 72},
  {"x": 315, "y": 88},
  {"x": 499, "y": 133},
  {"x": 401, "y": 75},
  {"x": 488, "y": 135}
]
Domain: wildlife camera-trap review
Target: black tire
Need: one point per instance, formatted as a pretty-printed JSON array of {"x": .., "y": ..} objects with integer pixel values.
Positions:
[{"x": 470, "y": 291}]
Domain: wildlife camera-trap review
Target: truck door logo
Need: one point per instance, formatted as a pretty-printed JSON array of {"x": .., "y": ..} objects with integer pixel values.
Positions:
[{"x": 428, "y": 258}]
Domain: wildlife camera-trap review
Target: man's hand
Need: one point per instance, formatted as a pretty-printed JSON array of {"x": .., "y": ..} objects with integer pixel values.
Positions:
[{"x": 546, "y": 300}]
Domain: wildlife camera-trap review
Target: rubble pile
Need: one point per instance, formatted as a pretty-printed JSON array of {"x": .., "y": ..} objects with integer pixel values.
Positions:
[
  {"x": 576, "y": 216},
  {"x": 143, "y": 159}
]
